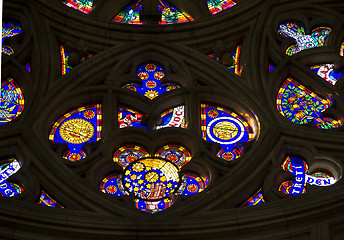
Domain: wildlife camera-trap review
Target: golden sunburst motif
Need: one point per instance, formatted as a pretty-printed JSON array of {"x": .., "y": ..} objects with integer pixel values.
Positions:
[
  {"x": 152, "y": 177},
  {"x": 151, "y": 94},
  {"x": 138, "y": 167},
  {"x": 76, "y": 131}
]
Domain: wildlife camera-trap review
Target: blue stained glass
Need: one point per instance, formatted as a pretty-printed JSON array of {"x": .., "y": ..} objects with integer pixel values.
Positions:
[
  {"x": 256, "y": 199},
  {"x": 7, "y": 169},
  {"x": 46, "y": 200},
  {"x": 9, "y": 29},
  {"x": 299, "y": 169},
  {"x": 82, "y": 125},
  {"x": 191, "y": 184},
  {"x": 151, "y": 75},
  {"x": 153, "y": 207},
  {"x": 113, "y": 185},
  {"x": 301, "y": 106},
  {"x": 222, "y": 126},
  {"x": 129, "y": 118},
  {"x": 174, "y": 117},
  {"x": 303, "y": 41},
  {"x": 11, "y": 101},
  {"x": 326, "y": 71},
  {"x": 130, "y": 14}
]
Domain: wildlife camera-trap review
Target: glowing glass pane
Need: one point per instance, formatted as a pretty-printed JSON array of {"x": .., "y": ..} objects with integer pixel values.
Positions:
[
  {"x": 256, "y": 199},
  {"x": 191, "y": 184},
  {"x": 300, "y": 105},
  {"x": 9, "y": 29},
  {"x": 174, "y": 117},
  {"x": 128, "y": 154},
  {"x": 65, "y": 67},
  {"x": 153, "y": 206},
  {"x": 175, "y": 154},
  {"x": 298, "y": 168},
  {"x": 130, "y": 14},
  {"x": 129, "y": 118},
  {"x": 151, "y": 178},
  {"x": 151, "y": 75},
  {"x": 315, "y": 39},
  {"x": 341, "y": 51},
  {"x": 74, "y": 156},
  {"x": 326, "y": 71},
  {"x": 171, "y": 15},
  {"x": 7, "y": 50},
  {"x": 235, "y": 64},
  {"x": 11, "y": 101},
  {"x": 82, "y": 125},
  {"x": 84, "y": 6},
  {"x": 46, "y": 200},
  {"x": 216, "y": 6},
  {"x": 28, "y": 67},
  {"x": 113, "y": 185},
  {"x": 222, "y": 126},
  {"x": 7, "y": 169}
]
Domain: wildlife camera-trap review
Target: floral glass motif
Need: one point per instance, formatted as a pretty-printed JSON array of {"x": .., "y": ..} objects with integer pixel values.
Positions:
[
  {"x": 174, "y": 117},
  {"x": 298, "y": 168},
  {"x": 256, "y": 199},
  {"x": 151, "y": 75},
  {"x": 82, "y": 125},
  {"x": 227, "y": 128},
  {"x": 235, "y": 66},
  {"x": 84, "y": 6},
  {"x": 315, "y": 39},
  {"x": 171, "y": 15},
  {"x": 7, "y": 169},
  {"x": 301, "y": 106},
  {"x": 46, "y": 200},
  {"x": 128, "y": 117},
  {"x": 130, "y": 14},
  {"x": 9, "y": 29},
  {"x": 65, "y": 67},
  {"x": 216, "y": 6},
  {"x": 154, "y": 181},
  {"x": 11, "y": 101},
  {"x": 326, "y": 71}
]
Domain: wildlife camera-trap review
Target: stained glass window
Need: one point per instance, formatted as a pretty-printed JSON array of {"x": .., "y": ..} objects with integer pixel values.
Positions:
[
  {"x": 82, "y": 125},
  {"x": 130, "y": 14},
  {"x": 301, "y": 106},
  {"x": 256, "y": 199},
  {"x": 113, "y": 185},
  {"x": 28, "y": 67},
  {"x": 341, "y": 51},
  {"x": 9, "y": 29},
  {"x": 298, "y": 168},
  {"x": 7, "y": 169},
  {"x": 65, "y": 67},
  {"x": 326, "y": 71},
  {"x": 46, "y": 200},
  {"x": 171, "y": 15},
  {"x": 234, "y": 64},
  {"x": 84, "y": 6},
  {"x": 11, "y": 101},
  {"x": 154, "y": 181},
  {"x": 151, "y": 75},
  {"x": 174, "y": 117},
  {"x": 227, "y": 128},
  {"x": 216, "y": 6},
  {"x": 315, "y": 39},
  {"x": 128, "y": 117}
]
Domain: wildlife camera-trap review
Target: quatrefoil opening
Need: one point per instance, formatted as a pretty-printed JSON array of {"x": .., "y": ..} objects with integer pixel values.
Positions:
[{"x": 155, "y": 181}]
